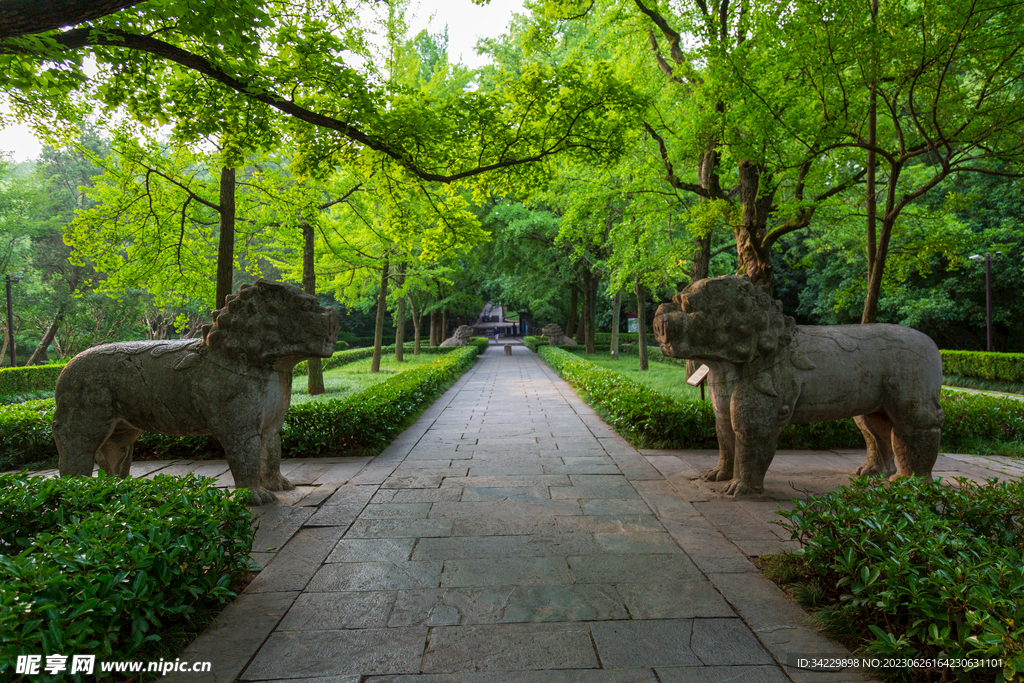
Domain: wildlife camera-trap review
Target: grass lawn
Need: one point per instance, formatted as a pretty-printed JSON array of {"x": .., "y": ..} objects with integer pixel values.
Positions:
[
  {"x": 662, "y": 377},
  {"x": 354, "y": 377}
]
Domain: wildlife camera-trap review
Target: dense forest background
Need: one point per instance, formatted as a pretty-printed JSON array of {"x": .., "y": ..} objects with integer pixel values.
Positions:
[{"x": 851, "y": 159}]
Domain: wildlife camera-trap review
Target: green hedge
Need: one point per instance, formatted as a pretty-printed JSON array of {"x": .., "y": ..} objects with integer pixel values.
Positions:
[
  {"x": 32, "y": 378},
  {"x": 104, "y": 565},
  {"x": 651, "y": 419},
  {"x": 368, "y": 419},
  {"x": 352, "y": 355},
  {"x": 919, "y": 570},
  {"x": 999, "y": 366},
  {"x": 26, "y": 437}
]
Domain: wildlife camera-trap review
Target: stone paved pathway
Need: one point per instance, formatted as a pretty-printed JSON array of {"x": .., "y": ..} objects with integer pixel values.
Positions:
[{"x": 511, "y": 535}]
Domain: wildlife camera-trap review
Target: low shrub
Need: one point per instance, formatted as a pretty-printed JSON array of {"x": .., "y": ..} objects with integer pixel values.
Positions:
[
  {"x": 1007, "y": 367},
  {"x": 26, "y": 428},
  {"x": 368, "y": 419},
  {"x": 105, "y": 566},
  {"x": 999, "y": 385},
  {"x": 28, "y": 379},
  {"x": 916, "y": 569},
  {"x": 642, "y": 415},
  {"x": 534, "y": 343}
]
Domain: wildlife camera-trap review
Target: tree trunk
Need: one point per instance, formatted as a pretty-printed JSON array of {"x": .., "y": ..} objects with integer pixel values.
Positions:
[
  {"x": 47, "y": 339},
  {"x": 574, "y": 302},
  {"x": 875, "y": 271},
  {"x": 590, "y": 337},
  {"x": 754, "y": 260},
  {"x": 382, "y": 304},
  {"x": 315, "y": 376},
  {"x": 400, "y": 319},
  {"x": 616, "y": 305},
  {"x": 641, "y": 322},
  {"x": 226, "y": 246},
  {"x": 435, "y": 328},
  {"x": 21, "y": 17},
  {"x": 416, "y": 322},
  {"x": 707, "y": 178},
  {"x": 444, "y": 326}
]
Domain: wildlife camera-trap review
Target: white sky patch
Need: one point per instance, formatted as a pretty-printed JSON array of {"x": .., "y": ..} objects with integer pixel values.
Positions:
[{"x": 467, "y": 23}]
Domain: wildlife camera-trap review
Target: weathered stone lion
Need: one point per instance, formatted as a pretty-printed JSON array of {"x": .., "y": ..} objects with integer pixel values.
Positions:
[
  {"x": 461, "y": 336},
  {"x": 766, "y": 372},
  {"x": 556, "y": 337},
  {"x": 234, "y": 383}
]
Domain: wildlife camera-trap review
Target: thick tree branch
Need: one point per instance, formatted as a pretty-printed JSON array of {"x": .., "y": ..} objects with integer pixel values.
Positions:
[
  {"x": 670, "y": 175},
  {"x": 79, "y": 38},
  {"x": 670, "y": 34},
  {"x": 22, "y": 17}
]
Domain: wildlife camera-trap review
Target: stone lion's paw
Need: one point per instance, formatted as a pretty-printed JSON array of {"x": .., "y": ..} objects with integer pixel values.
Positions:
[
  {"x": 866, "y": 471},
  {"x": 737, "y": 488},
  {"x": 717, "y": 474},
  {"x": 277, "y": 482},
  {"x": 261, "y": 496}
]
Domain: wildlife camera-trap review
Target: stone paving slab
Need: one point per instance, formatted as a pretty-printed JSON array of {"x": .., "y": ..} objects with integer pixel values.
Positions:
[{"x": 509, "y": 647}]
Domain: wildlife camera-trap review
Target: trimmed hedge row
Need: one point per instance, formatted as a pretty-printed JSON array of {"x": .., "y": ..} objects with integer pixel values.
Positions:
[
  {"x": 364, "y": 418},
  {"x": 103, "y": 565},
  {"x": 651, "y": 419},
  {"x": 1000, "y": 366},
  {"x": 31, "y": 378},
  {"x": 368, "y": 419}
]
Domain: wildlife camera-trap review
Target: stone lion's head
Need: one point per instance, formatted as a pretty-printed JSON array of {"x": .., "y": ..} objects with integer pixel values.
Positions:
[
  {"x": 271, "y": 323},
  {"x": 463, "y": 332},
  {"x": 722, "y": 319}
]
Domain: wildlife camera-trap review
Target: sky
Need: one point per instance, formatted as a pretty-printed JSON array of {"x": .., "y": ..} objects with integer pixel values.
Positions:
[{"x": 466, "y": 22}]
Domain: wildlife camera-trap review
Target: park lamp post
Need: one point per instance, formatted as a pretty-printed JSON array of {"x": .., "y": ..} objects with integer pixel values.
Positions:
[
  {"x": 988, "y": 259},
  {"x": 16, "y": 277}
]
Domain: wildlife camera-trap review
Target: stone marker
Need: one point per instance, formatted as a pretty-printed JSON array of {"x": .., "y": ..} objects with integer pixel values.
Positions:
[
  {"x": 234, "y": 383},
  {"x": 766, "y": 372},
  {"x": 461, "y": 336},
  {"x": 556, "y": 337},
  {"x": 508, "y": 349}
]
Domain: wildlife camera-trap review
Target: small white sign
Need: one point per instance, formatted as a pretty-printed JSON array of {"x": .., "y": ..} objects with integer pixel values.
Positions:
[{"x": 698, "y": 376}]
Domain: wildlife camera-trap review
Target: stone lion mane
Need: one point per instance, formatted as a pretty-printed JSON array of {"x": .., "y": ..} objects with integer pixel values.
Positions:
[
  {"x": 461, "y": 336},
  {"x": 766, "y": 371},
  {"x": 728, "y": 314},
  {"x": 234, "y": 384},
  {"x": 556, "y": 336}
]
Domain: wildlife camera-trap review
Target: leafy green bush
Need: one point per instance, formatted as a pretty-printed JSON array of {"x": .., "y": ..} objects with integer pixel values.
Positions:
[
  {"x": 1000, "y": 366},
  {"x": 921, "y": 570},
  {"x": 534, "y": 343},
  {"x": 26, "y": 437},
  {"x": 980, "y": 420},
  {"x": 104, "y": 565},
  {"x": 643, "y": 415},
  {"x": 32, "y": 378},
  {"x": 646, "y": 417}
]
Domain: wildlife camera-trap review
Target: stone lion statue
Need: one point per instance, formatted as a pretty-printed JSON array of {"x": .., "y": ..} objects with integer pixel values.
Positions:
[
  {"x": 556, "y": 337},
  {"x": 460, "y": 337},
  {"x": 766, "y": 371},
  {"x": 234, "y": 383}
]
